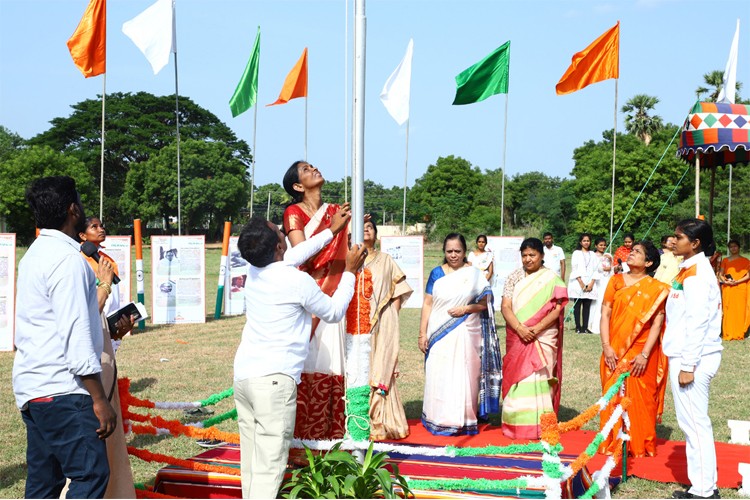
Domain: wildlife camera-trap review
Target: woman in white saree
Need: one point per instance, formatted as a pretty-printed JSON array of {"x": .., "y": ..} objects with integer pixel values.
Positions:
[{"x": 462, "y": 355}]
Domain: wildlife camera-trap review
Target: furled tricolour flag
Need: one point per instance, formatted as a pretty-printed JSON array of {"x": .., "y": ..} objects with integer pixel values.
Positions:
[
  {"x": 396, "y": 91},
  {"x": 88, "y": 44},
  {"x": 153, "y": 32},
  {"x": 728, "y": 91},
  {"x": 246, "y": 93},
  {"x": 486, "y": 78},
  {"x": 597, "y": 62},
  {"x": 295, "y": 84}
]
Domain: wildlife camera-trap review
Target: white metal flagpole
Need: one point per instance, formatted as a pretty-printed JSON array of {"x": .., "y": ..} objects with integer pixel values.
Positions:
[
  {"x": 177, "y": 117},
  {"x": 358, "y": 169},
  {"x": 101, "y": 173},
  {"x": 252, "y": 179},
  {"x": 406, "y": 168},
  {"x": 502, "y": 183},
  {"x": 614, "y": 157}
]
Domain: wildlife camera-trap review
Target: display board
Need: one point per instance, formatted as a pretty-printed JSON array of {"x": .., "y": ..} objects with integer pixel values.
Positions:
[
  {"x": 236, "y": 276},
  {"x": 7, "y": 290},
  {"x": 506, "y": 255},
  {"x": 118, "y": 247},
  {"x": 408, "y": 252},
  {"x": 178, "y": 279}
]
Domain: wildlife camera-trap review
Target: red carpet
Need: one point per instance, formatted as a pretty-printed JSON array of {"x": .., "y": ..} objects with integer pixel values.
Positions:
[{"x": 668, "y": 466}]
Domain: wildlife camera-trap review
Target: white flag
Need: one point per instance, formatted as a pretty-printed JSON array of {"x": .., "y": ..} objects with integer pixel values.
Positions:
[
  {"x": 395, "y": 93},
  {"x": 726, "y": 94},
  {"x": 152, "y": 31}
]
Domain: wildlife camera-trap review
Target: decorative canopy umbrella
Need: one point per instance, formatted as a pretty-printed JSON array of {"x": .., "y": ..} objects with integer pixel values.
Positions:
[{"x": 714, "y": 135}]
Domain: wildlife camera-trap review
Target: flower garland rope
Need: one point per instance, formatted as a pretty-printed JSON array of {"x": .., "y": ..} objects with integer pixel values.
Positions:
[
  {"x": 123, "y": 385},
  {"x": 357, "y": 412},
  {"x": 148, "y": 456}
]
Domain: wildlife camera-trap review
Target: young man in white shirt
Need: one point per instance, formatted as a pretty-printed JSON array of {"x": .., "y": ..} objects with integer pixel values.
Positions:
[
  {"x": 268, "y": 365},
  {"x": 554, "y": 257},
  {"x": 56, "y": 370}
]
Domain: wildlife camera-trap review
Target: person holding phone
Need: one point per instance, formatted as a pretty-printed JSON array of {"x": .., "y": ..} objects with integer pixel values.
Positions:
[{"x": 733, "y": 277}]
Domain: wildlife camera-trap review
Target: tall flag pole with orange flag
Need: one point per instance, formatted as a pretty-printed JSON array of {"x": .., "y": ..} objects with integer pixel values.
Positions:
[
  {"x": 88, "y": 48},
  {"x": 295, "y": 86},
  {"x": 245, "y": 97},
  {"x": 154, "y": 32},
  {"x": 598, "y": 62},
  {"x": 488, "y": 77}
]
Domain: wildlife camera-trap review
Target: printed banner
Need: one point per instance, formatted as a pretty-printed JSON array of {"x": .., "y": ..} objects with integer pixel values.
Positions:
[
  {"x": 408, "y": 252},
  {"x": 7, "y": 290},
  {"x": 506, "y": 258},
  {"x": 234, "y": 286},
  {"x": 178, "y": 279},
  {"x": 118, "y": 247}
]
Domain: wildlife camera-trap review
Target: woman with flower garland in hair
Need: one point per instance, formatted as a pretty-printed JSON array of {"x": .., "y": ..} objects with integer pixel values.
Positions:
[
  {"x": 389, "y": 292},
  {"x": 631, "y": 326},
  {"x": 457, "y": 334},
  {"x": 692, "y": 342}
]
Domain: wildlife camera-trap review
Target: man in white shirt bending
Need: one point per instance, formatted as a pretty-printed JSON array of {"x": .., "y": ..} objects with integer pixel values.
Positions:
[
  {"x": 554, "y": 257},
  {"x": 59, "y": 339},
  {"x": 268, "y": 365}
]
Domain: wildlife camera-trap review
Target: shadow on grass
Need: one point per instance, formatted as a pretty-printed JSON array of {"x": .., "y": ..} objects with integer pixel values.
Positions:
[
  {"x": 664, "y": 432},
  {"x": 141, "y": 384},
  {"x": 11, "y": 474},
  {"x": 413, "y": 409},
  {"x": 145, "y": 440},
  {"x": 566, "y": 414}
]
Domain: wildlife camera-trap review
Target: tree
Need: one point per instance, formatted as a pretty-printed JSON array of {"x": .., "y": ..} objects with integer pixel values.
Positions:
[
  {"x": 715, "y": 82},
  {"x": 637, "y": 119},
  {"x": 137, "y": 126},
  {"x": 215, "y": 186},
  {"x": 445, "y": 195},
  {"x": 23, "y": 167},
  {"x": 10, "y": 143}
]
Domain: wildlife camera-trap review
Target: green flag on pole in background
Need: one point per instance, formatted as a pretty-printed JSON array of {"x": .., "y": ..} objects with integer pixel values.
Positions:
[
  {"x": 246, "y": 92},
  {"x": 486, "y": 78}
]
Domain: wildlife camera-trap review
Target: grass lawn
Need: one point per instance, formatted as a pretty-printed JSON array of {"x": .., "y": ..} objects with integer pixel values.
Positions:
[{"x": 191, "y": 362}]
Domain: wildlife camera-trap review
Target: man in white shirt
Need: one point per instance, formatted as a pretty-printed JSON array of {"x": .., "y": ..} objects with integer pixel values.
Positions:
[
  {"x": 268, "y": 365},
  {"x": 554, "y": 257},
  {"x": 56, "y": 370}
]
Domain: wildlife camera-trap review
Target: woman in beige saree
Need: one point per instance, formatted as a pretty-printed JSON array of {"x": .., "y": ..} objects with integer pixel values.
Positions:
[{"x": 390, "y": 292}]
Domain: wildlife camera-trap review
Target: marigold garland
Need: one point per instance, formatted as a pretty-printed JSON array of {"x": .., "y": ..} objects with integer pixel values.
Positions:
[
  {"x": 148, "y": 456},
  {"x": 176, "y": 428},
  {"x": 358, "y": 312}
]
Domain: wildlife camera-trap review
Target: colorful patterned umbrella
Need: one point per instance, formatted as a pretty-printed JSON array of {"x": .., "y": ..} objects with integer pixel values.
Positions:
[{"x": 719, "y": 132}]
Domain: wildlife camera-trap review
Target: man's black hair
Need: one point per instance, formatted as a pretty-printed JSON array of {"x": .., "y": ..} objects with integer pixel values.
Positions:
[
  {"x": 257, "y": 242},
  {"x": 49, "y": 199}
]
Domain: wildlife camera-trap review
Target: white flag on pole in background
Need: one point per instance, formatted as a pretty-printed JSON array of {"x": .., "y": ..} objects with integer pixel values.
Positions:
[
  {"x": 152, "y": 31},
  {"x": 395, "y": 93},
  {"x": 726, "y": 94}
]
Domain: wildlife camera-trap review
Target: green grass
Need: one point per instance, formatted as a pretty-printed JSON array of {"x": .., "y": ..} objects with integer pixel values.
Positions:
[{"x": 199, "y": 363}]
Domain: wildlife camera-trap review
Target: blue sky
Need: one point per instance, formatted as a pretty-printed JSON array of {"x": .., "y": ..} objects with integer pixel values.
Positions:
[{"x": 665, "y": 48}]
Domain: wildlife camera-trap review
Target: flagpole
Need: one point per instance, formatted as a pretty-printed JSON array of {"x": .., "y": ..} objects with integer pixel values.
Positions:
[
  {"x": 268, "y": 207},
  {"x": 358, "y": 169},
  {"x": 729, "y": 206},
  {"x": 252, "y": 179},
  {"x": 177, "y": 117},
  {"x": 614, "y": 154},
  {"x": 502, "y": 183},
  {"x": 346, "y": 99},
  {"x": 101, "y": 173},
  {"x": 406, "y": 168},
  {"x": 305, "y": 127}
]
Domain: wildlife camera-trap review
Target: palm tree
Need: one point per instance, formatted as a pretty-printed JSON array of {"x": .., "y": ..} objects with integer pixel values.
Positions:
[
  {"x": 715, "y": 81},
  {"x": 637, "y": 119}
]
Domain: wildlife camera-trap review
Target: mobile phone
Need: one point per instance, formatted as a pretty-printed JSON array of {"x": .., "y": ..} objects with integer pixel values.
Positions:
[{"x": 729, "y": 277}]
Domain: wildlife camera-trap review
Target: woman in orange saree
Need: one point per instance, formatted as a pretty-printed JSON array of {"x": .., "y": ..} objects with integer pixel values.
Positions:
[
  {"x": 733, "y": 278},
  {"x": 631, "y": 327},
  {"x": 320, "y": 394}
]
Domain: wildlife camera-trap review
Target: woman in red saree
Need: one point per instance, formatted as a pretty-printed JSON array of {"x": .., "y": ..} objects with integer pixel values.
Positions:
[
  {"x": 631, "y": 328},
  {"x": 320, "y": 395}
]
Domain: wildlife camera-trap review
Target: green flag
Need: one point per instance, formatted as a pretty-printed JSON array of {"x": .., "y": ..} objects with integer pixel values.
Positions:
[
  {"x": 486, "y": 78},
  {"x": 246, "y": 92}
]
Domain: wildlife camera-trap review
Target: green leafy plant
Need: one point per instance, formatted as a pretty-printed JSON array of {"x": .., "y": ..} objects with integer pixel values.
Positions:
[{"x": 337, "y": 474}]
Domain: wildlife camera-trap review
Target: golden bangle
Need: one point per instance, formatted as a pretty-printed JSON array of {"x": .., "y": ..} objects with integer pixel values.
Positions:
[{"x": 106, "y": 286}]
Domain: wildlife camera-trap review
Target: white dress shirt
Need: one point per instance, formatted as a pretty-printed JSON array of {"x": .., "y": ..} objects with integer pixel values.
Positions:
[
  {"x": 280, "y": 301},
  {"x": 58, "y": 329},
  {"x": 693, "y": 314},
  {"x": 552, "y": 258}
]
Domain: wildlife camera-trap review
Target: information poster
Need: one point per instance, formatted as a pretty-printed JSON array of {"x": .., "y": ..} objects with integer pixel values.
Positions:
[
  {"x": 178, "y": 279},
  {"x": 7, "y": 290},
  {"x": 507, "y": 258},
  {"x": 408, "y": 252},
  {"x": 118, "y": 247},
  {"x": 234, "y": 287}
]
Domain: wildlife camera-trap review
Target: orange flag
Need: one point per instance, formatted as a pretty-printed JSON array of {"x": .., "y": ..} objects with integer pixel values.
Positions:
[
  {"x": 88, "y": 45},
  {"x": 295, "y": 84},
  {"x": 597, "y": 62}
]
